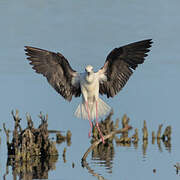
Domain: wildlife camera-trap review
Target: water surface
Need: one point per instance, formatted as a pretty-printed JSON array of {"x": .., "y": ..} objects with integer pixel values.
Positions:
[{"x": 85, "y": 32}]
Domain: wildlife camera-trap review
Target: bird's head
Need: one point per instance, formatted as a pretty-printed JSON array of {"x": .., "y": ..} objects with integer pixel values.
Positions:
[{"x": 89, "y": 69}]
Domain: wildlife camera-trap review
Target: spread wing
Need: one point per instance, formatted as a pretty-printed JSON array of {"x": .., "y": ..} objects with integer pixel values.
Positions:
[
  {"x": 119, "y": 66},
  {"x": 55, "y": 67}
]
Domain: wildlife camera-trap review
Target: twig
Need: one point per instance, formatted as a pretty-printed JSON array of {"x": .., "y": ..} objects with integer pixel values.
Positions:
[
  {"x": 118, "y": 131},
  {"x": 55, "y": 131},
  {"x": 7, "y": 133}
]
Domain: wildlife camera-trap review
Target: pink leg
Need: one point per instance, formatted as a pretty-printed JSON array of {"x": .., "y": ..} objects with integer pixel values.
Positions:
[
  {"x": 89, "y": 134},
  {"x": 97, "y": 124}
]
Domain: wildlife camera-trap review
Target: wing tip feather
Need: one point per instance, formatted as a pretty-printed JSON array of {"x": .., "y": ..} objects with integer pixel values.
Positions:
[{"x": 130, "y": 55}]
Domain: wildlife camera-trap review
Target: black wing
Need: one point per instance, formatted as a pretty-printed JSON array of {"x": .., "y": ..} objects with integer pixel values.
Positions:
[
  {"x": 56, "y": 69},
  {"x": 119, "y": 66}
]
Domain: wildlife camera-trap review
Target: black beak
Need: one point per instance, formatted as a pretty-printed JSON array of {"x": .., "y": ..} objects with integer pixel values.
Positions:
[{"x": 88, "y": 73}]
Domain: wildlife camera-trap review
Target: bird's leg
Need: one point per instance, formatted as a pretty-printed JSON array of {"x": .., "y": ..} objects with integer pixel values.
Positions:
[
  {"x": 87, "y": 108},
  {"x": 97, "y": 124}
]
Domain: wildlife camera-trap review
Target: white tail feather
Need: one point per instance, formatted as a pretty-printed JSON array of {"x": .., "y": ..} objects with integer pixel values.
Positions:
[{"x": 103, "y": 109}]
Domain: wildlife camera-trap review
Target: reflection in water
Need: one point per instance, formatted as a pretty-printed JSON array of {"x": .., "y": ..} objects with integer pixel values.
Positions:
[
  {"x": 159, "y": 131},
  {"x": 135, "y": 144},
  {"x": 177, "y": 166},
  {"x": 159, "y": 145},
  {"x": 153, "y": 137},
  {"x": 103, "y": 154},
  {"x": 64, "y": 155},
  {"x": 144, "y": 147},
  {"x": 167, "y": 145},
  {"x": 167, "y": 134},
  {"x": 135, "y": 137},
  {"x": 91, "y": 171},
  {"x": 31, "y": 153},
  {"x": 37, "y": 168},
  {"x": 60, "y": 138}
]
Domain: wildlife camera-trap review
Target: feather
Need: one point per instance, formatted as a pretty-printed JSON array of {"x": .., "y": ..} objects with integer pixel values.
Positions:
[
  {"x": 55, "y": 67},
  {"x": 119, "y": 66}
]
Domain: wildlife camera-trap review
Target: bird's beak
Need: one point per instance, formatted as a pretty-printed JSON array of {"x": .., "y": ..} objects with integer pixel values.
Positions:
[{"x": 88, "y": 73}]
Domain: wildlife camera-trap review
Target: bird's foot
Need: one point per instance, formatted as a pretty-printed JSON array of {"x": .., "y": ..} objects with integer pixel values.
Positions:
[{"x": 102, "y": 139}]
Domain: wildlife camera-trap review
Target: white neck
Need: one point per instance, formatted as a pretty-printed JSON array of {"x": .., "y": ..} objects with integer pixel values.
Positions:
[{"x": 89, "y": 78}]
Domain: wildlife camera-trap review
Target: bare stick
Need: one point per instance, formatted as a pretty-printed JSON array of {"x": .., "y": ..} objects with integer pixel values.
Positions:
[
  {"x": 7, "y": 133},
  {"x": 118, "y": 131}
]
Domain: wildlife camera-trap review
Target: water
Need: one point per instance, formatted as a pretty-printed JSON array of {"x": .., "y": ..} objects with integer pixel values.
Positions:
[{"x": 85, "y": 32}]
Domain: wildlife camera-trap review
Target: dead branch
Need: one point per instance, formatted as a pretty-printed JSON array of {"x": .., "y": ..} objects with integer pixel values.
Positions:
[
  {"x": 55, "y": 131},
  {"x": 111, "y": 134}
]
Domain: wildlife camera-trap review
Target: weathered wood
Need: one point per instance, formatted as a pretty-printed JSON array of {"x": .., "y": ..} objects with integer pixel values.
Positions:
[
  {"x": 124, "y": 139},
  {"x": 55, "y": 131},
  {"x": 31, "y": 153},
  {"x": 30, "y": 141},
  {"x": 153, "y": 137},
  {"x": 61, "y": 138},
  {"x": 159, "y": 131},
  {"x": 145, "y": 131},
  {"x": 110, "y": 135},
  {"x": 64, "y": 155},
  {"x": 167, "y": 134},
  {"x": 135, "y": 137}
]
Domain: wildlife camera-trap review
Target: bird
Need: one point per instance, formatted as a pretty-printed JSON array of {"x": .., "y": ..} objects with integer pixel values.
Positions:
[{"x": 108, "y": 80}]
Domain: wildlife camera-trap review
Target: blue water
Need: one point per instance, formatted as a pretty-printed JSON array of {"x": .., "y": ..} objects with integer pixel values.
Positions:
[{"x": 85, "y": 32}]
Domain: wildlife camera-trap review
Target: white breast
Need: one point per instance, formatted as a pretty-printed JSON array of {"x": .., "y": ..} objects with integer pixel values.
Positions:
[{"x": 89, "y": 86}]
